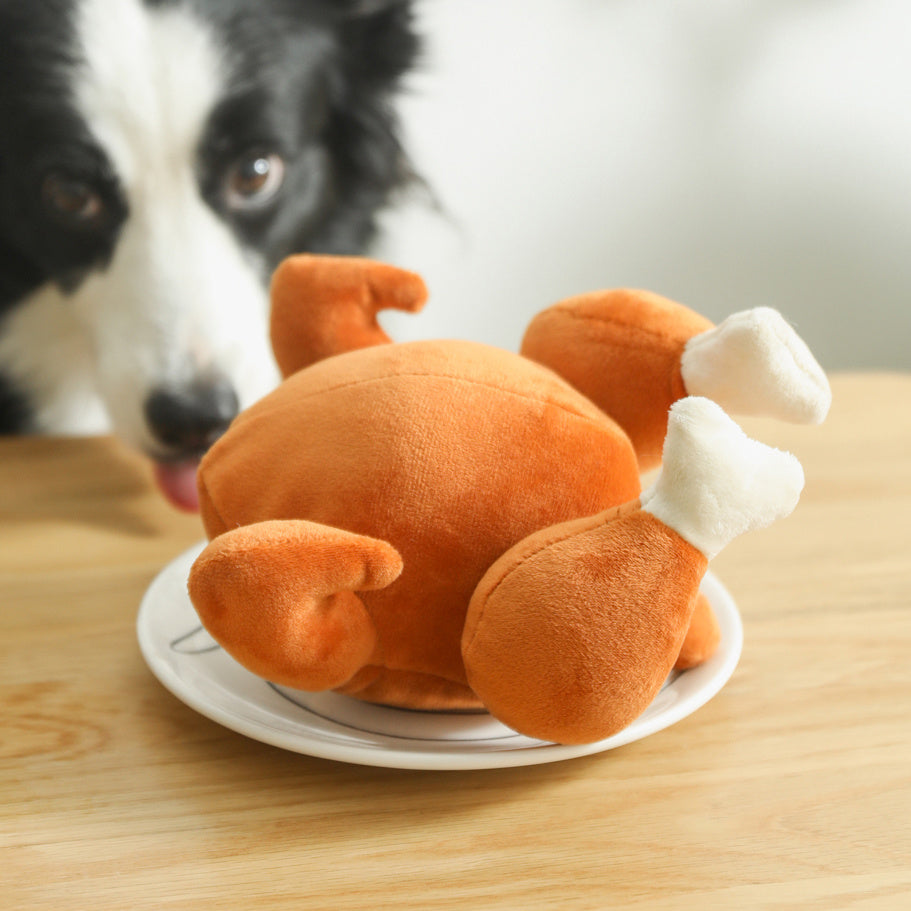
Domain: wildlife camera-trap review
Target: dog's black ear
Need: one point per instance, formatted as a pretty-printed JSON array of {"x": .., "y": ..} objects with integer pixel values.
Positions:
[
  {"x": 356, "y": 8},
  {"x": 376, "y": 46},
  {"x": 378, "y": 40}
]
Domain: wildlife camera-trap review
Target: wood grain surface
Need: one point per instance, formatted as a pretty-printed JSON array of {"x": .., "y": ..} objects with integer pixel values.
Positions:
[{"x": 791, "y": 789}]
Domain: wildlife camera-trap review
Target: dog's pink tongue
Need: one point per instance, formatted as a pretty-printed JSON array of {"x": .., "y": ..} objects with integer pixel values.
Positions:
[{"x": 177, "y": 481}]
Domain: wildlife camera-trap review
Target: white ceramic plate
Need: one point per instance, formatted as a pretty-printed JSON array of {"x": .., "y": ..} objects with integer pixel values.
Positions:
[{"x": 196, "y": 670}]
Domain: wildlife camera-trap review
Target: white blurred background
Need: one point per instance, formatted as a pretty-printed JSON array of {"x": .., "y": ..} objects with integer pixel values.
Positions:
[{"x": 725, "y": 153}]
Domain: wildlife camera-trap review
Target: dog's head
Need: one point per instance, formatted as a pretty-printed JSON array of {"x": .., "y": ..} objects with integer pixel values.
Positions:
[{"x": 157, "y": 160}]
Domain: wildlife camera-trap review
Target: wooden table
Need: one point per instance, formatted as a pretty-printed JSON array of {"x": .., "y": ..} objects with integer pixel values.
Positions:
[{"x": 791, "y": 789}]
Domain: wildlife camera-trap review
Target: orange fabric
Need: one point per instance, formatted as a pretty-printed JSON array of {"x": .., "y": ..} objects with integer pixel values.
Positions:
[
  {"x": 323, "y": 305},
  {"x": 359, "y": 515},
  {"x": 291, "y": 583},
  {"x": 622, "y": 350},
  {"x": 435, "y": 447},
  {"x": 702, "y": 638},
  {"x": 571, "y": 634}
]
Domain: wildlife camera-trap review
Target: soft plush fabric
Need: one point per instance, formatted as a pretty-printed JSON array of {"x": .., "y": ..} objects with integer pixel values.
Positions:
[
  {"x": 443, "y": 524},
  {"x": 642, "y": 334},
  {"x": 434, "y": 447},
  {"x": 319, "y": 309},
  {"x": 570, "y": 655},
  {"x": 717, "y": 483},
  {"x": 754, "y": 363}
]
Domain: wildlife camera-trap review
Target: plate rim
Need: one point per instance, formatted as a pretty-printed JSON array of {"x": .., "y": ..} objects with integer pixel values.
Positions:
[{"x": 716, "y": 673}]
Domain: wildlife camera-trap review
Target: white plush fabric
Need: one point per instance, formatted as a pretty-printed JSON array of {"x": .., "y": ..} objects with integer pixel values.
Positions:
[
  {"x": 715, "y": 482},
  {"x": 755, "y": 363}
]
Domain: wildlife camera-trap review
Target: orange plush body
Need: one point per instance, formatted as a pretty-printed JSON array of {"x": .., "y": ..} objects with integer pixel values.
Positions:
[{"x": 443, "y": 524}]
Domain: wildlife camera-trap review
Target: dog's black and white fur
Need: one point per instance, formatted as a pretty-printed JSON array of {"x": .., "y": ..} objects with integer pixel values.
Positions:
[{"x": 157, "y": 159}]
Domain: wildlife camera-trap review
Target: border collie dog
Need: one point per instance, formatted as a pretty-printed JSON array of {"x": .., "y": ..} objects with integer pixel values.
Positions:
[{"x": 158, "y": 158}]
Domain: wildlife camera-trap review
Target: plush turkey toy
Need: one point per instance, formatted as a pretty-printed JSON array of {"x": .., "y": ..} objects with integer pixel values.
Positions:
[{"x": 446, "y": 525}]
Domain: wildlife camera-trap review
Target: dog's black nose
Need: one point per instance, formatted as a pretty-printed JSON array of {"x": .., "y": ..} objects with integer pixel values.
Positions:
[{"x": 190, "y": 418}]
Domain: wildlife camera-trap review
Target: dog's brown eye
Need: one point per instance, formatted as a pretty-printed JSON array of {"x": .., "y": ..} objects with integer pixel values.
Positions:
[
  {"x": 72, "y": 201},
  {"x": 254, "y": 179}
]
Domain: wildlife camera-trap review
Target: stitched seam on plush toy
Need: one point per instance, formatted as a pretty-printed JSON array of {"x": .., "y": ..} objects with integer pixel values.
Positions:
[
  {"x": 458, "y": 681},
  {"x": 446, "y": 376},
  {"x": 220, "y": 518},
  {"x": 610, "y": 321}
]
